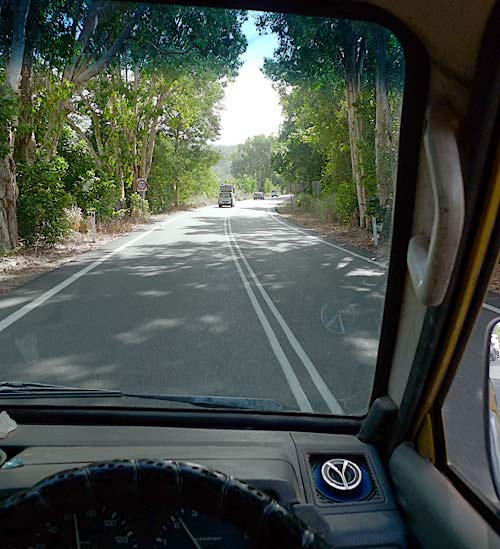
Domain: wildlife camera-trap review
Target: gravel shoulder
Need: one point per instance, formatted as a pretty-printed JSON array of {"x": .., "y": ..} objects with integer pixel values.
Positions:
[
  {"x": 26, "y": 263},
  {"x": 354, "y": 237}
]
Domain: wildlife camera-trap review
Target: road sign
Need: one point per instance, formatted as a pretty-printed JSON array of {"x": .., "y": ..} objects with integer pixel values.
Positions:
[
  {"x": 142, "y": 184},
  {"x": 297, "y": 187}
]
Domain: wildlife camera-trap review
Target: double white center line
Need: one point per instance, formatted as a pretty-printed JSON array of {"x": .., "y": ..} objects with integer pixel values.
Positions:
[{"x": 297, "y": 390}]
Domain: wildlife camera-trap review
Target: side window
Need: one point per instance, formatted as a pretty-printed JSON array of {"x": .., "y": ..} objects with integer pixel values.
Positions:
[{"x": 470, "y": 412}]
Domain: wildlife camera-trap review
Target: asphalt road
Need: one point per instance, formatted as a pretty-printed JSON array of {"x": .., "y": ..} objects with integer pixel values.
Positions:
[{"x": 229, "y": 302}]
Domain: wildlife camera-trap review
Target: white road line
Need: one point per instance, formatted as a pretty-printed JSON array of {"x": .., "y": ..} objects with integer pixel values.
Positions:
[
  {"x": 275, "y": 217},
  {"x": 491, "y": 308},
  {"x": 332, "y": 403},
  {"x": 40, "y": 300},
  {"x": 290, "y": 376}
]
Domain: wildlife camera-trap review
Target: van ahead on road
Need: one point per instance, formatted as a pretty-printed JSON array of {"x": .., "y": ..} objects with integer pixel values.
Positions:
[{"x": 226, "y": 196}]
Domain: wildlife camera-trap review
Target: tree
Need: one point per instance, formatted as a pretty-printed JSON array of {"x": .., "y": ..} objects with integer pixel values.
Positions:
[
  {"x": 192, "y": 121},
  {"x": 8, "y": 184},
  {"x": 253, "y": 159},
  {"x": 324, "y": 50}
]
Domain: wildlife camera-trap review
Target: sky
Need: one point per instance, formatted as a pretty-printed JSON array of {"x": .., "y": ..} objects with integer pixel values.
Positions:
[{"x": 250, "y": 105}]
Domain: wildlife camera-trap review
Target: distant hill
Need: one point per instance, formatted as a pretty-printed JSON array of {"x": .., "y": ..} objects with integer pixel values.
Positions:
[{"x": 222, "y": 169}]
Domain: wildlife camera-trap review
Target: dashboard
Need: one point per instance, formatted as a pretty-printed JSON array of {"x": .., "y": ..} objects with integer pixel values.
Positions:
[{"x": 289, "y": 466}]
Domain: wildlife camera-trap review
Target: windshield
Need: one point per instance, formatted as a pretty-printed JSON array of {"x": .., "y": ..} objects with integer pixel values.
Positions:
[{"x": 119, "y": 268}]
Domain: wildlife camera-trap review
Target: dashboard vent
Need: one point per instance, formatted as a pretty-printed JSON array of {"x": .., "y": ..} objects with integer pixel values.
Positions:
[{"x": 337, "y": 482}]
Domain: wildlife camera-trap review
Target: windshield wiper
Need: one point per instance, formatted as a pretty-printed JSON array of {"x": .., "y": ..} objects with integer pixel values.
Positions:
[{"x": 20, "y": 390}]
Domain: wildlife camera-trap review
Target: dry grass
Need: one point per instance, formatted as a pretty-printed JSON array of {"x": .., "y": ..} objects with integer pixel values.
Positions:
[
  {"x": 341, "y": 234},
  {"x": 26, "y": 263}
]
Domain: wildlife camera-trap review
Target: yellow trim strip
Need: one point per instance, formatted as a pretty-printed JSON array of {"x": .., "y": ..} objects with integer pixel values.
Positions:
[
  {"x": 425, "y": 439},
  {"x": 487, "y": 223}
]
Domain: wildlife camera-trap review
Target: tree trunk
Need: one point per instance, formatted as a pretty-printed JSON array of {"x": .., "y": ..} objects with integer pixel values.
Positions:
[
  {"x": 384, "y": 155},
  {"x": 177, "y": 194},
  {"x": 260, "y": 183},
  {"x": 25, "y": 143},
  {"x": 133, "y": 135},
  {"x": 8, "y": 204},
  {"x": 352, "y": 68},
  {"x": 8, "y": 187},
  {"x": 57, "y": 119}
]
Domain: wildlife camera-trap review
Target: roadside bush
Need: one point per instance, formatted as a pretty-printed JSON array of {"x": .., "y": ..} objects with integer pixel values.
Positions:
[
  {"x": 79, "y": 161},
  {"x": 346, "y": 203},
  {"x": 100, "y": 194},
  {"x": 136, "y": 206},
  {"x": 328, "y": 209},
  {"x": 74, "y": 217},
  {"x": 42, "y": 201}
]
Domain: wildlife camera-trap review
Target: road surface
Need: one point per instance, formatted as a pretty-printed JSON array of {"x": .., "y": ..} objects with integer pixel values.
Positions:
[{"x": 230, "y": 302}]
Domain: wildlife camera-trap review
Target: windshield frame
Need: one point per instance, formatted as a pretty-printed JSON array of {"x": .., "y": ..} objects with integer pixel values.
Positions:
[{"x": 412, "y": 117}]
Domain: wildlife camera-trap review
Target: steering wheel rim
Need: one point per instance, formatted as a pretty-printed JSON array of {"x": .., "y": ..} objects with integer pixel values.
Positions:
[{"x": 166, "y": 484}]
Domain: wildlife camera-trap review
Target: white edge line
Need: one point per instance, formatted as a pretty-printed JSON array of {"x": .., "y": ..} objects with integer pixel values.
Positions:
[
  {"x": 276, "y": 217},
  {"x": 293, "y": 382},
  {"x": 40, "y": 300},
  {"x": 491, "y": 308},
  {"x": 330, "y": 400}
]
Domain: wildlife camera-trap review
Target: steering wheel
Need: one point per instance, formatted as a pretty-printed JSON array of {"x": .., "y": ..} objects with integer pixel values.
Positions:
[{"x": 163, "y": 484}]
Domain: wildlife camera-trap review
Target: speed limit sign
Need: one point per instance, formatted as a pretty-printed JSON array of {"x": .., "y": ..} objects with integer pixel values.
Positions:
[{"x": 142, "y": 184}]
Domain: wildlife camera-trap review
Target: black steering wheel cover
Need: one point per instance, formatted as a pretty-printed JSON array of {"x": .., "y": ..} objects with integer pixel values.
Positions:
[{"x": 164, "y": 484}]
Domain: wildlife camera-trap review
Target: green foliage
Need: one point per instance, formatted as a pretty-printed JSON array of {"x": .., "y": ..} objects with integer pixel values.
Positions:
[
  {"x": 138, "y": 207},
  {"x": 100, "y": 194},
  {"x": 74, "y": 217},
  {"x": 245, "y": 185},
  {"x": 141, "y": 69},
  {"x": 8, "y": 109},
  {"x": 42, "y": 201},
  {"x": 346, "y": 202},
  {"x": 253, "y": 159},
  {"x": 80, "y": 164}
]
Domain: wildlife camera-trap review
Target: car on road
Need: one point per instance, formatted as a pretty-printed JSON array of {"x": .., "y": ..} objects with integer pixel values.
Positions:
[
  {"x": 258, "y": 196},
  {"x": 274, "y": 193},
  {"x": 226, "y": 199}
]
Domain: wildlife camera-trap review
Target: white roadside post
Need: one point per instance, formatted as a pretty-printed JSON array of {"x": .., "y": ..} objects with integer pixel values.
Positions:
[
  {"x": 93, "y": 225},
  {"x": 375, "y": 232}
]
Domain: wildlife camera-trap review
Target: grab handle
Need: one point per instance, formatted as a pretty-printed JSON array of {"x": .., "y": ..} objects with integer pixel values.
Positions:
[{"x": 431, "y": 258}]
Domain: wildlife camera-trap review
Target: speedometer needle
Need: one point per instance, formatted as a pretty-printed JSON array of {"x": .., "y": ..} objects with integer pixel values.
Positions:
[
  {"x": 186, "y": 529},
  {"x": 77, "y": 534}
]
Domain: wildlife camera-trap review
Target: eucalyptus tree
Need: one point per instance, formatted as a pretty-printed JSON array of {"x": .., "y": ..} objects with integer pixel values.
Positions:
[
  {"x": 191, "y": 121},
  {"x": 10, "y": 79},
  {"x": 324, "y": 50}
]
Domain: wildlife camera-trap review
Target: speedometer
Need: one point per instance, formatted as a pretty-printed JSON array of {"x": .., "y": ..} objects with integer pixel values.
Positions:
[
  {"x": 189, "y": 529},
  {"x": 104, "y": 527},
  {"x": 94, "y": 528}
]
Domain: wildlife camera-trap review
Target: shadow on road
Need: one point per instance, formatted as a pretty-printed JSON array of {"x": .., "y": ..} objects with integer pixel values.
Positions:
[{"x": 172, "y": 316}]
